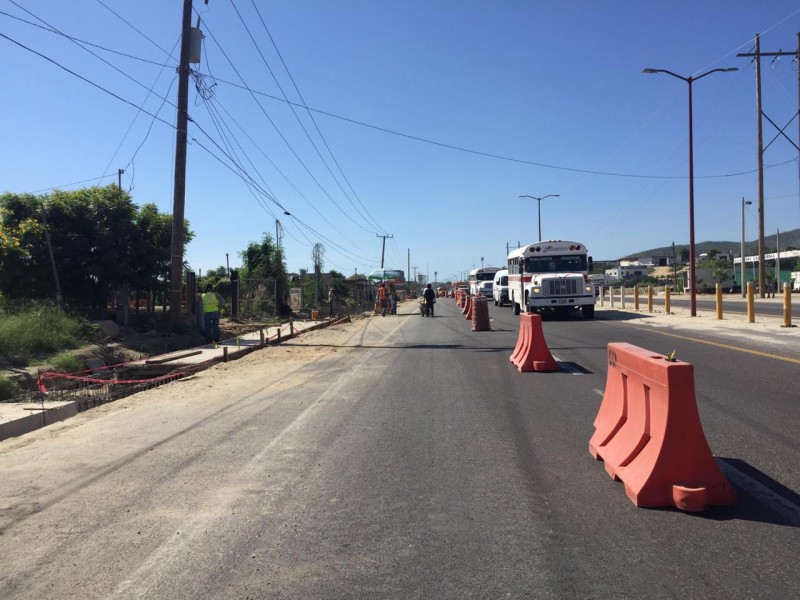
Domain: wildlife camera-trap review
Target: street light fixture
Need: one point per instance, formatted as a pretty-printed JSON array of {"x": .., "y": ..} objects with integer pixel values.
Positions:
[
  {"x": 539, "y": 205},
  {"x": 742, "y": 248},
  {"x": 689, "y": 80}
]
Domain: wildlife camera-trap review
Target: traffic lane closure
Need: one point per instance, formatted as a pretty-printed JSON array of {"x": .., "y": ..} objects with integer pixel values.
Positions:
[
  {"x": 558, "y": 411},
  {"x": 748, "y": 413}
]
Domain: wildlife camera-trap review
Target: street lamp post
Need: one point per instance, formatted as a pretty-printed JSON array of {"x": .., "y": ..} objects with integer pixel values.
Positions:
[
  {"x": 689, "y": 80},
  {"x": 539, "y": 206},
  {"x": 742, "y": 248}
]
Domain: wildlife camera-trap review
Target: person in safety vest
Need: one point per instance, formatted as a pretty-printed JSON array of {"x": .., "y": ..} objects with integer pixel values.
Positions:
[
  {"x": 212, "y": 302},
  {"x": 383, "y": 296}
]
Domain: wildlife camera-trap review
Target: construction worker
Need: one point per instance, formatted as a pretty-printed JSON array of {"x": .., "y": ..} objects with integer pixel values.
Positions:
[
  {"x": 212, "y": 302},
  {"x": 383, "y": 297}
]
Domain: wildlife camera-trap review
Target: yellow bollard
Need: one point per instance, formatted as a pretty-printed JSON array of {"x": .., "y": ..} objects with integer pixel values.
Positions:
[
  {"x": 787, "y": 305},
  {"x": 719, "y": 301},
  {"x": 635, "y": 298},
  {"x": 649, "y": 298},
  {"x": 751, "y": 308},
  {"x": 666, "y": 300}
]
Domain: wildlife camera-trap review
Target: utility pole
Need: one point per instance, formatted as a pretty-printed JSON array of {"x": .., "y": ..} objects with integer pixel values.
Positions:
[
  {"x": 119, "y": 178},
  {"x": 759, "y": 127},
  {"x": 59, "y": 297},
  {"x": 179, "y": 197},
  {"x": 383, "y": 247}
]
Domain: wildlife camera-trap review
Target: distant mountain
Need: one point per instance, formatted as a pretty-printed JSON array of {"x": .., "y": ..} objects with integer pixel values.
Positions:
[{"x": 788, "y": 239}]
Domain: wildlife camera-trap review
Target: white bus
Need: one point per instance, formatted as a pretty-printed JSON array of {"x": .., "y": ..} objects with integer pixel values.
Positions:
[
  {"x": 551, "y": 275},
  {"x": 481, "y": 280}
]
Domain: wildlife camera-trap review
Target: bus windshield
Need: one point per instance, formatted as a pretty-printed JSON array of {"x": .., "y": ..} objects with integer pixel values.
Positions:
[
  {"x": 555, "y": 264},
  {"x": 484, "y": 277}
]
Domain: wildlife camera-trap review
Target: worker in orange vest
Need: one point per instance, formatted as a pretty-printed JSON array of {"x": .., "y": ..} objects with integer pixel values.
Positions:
[{"x": 383, "y": 297}]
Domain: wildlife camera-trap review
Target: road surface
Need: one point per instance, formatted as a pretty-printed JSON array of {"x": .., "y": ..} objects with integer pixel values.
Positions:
[{"x": 403, "y": 457}]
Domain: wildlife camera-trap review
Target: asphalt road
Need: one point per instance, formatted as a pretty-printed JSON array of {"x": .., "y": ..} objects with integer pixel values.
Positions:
[{"x": 422, "y": 465}]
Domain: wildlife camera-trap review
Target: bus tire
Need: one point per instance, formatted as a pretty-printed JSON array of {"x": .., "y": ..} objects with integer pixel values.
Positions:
[
  {"x": 588, "y": 311},
  {"x": 516, "y": 308}
]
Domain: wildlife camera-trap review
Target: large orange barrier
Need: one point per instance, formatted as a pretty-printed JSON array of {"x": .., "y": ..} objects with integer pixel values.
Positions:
[
  {"x": 648, "y": 432},
  {"x": 480, "y": 314},
  {"x": 531, "y": 352},
  {"x": 467, "y": 310},
  {"x": 460, "y": 298}
]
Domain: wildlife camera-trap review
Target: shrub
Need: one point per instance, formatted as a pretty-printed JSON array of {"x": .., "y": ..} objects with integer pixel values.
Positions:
[
  {"x": 67, "y": 362},
  {"x": 39, "y": 330},
  {"x": 8, "y": 388}
]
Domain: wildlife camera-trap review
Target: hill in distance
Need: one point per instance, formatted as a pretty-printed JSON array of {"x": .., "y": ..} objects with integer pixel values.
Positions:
[{"x": 788, "y": 240}]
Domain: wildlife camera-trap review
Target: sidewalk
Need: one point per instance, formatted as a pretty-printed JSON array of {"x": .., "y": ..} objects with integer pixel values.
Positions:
[
  {"x": 17, "y": 418},
  {"x": 766, "y": 330}
]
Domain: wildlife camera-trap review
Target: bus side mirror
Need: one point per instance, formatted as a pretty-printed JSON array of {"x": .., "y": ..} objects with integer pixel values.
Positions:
[{"x": 590, "y": 263}]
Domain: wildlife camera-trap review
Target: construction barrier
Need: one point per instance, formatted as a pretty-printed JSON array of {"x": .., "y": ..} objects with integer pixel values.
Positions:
[
  {"x": 460, "y": 298},
  {"x": 648, "y": 432},
  {"x": 531, "y": 352},
  {"x": 480, "y": 314},
  {"x": 467, "y": 309}
]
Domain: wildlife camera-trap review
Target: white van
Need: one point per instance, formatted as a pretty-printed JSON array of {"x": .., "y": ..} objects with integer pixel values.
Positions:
[{"x": 500, "y": 288}]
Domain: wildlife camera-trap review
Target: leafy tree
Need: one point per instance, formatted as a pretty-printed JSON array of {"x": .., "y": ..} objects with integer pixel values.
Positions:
[
  {"x": 264, "y": 261},
  {"x": 100, "y": 239},
  {"x": 719, "y": 269},
  {"x": 684, "y": 255}
]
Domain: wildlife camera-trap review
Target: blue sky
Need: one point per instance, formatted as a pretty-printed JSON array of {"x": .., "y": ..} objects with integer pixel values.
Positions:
[{"x": 432, "y": 117}]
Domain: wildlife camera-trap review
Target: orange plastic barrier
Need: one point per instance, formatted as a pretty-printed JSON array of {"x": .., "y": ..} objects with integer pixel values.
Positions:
[
  {"x": 480, "y": 314},
  {"x": 460, "y": 298},
  {"x": 648, "y": 432},
  {"x": 531, "y": 352},
  {"x": 467, "y": 309}
]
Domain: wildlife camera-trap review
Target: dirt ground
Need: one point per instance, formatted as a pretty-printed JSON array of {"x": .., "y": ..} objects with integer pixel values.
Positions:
[{"x": 132, "y": 344}]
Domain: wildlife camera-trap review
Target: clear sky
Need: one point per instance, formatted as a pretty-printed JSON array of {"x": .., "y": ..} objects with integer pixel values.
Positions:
[{"x": 430, "y": 119}]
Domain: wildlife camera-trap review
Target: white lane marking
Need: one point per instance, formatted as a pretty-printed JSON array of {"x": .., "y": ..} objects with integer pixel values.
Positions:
[
  {"x": 599, "y": 392},
  {"x": 786, "y": 510}
]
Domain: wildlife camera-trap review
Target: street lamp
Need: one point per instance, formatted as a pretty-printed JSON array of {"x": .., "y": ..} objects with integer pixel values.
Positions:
[
  {"x": 742, "y": 249},
  {"x": 689, "y": 80},
  {"x": 539, "y": 205}
]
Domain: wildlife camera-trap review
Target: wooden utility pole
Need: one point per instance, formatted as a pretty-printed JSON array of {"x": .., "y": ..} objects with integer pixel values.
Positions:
[
  {"x": 179, "y": 198},
  {"x": 759, "y": 125},
  {"x": 59, "y": 297},
  {"x": 383, "y": 248}
]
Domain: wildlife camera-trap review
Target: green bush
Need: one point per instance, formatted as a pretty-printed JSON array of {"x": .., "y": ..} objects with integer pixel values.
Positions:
[
  {"x": 66, "y": 362},
  {"x": 37, "y": 330},
  {"x": 8, "y": 388}
]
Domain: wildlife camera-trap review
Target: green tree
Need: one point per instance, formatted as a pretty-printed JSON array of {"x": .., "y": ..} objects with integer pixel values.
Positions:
[
  {"x": 100, "y": 239},
  {"x": 263, "y": 262},
  {"x": 719, "y": 269}
]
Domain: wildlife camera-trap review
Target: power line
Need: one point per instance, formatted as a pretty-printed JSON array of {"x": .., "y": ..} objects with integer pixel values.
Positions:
[
  {"x": 78, "y": 40},
  {"x": 279, "y": 132},
  {"x": 316, "y": 126},
  {"x": 129, "y": 24},
  {"x": 312, "y": 205},
  {"x": 81, "y": 77},
  {"x": 497, "y": 156}
]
